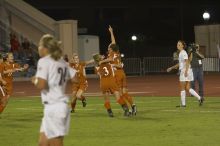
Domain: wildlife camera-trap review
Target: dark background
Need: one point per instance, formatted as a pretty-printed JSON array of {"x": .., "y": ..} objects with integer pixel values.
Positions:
[{"x": 158, "y": 24}]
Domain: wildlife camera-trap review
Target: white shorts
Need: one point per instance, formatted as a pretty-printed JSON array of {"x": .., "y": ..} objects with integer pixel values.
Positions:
[
  {"x": 188, "y": 78},
  {"x": 56, "y": 120}
]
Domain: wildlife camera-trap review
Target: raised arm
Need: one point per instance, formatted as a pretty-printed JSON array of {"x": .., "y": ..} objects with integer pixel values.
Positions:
[{"x": 112, "y": 35}]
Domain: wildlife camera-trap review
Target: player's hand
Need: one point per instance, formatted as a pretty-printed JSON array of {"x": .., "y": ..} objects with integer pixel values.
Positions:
[
  {"x": 169, "y": 69},
  {"x": 4, "y": 82},
  {"x": 110, "y": 28},
  {"x": 186, "y": 73},
  {"x": 100, "y": 62},
  {"x": 33, "y": 79},
  {"x": 26, "y": 66}
]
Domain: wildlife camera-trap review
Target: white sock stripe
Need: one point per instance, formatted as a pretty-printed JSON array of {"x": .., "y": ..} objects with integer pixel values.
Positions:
[{"x": 3, "y": 93}]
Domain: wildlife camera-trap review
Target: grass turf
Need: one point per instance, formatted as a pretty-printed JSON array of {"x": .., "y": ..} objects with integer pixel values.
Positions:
[{"x": 158, "y": 123}]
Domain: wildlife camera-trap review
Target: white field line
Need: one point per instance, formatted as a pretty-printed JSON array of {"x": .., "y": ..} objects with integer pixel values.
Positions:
[{"x": 119, "y": 109}]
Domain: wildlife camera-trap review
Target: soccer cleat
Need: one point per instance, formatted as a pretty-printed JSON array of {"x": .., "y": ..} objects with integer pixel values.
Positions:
[
  {"x": 84, "y": 102},
  {"x": 126, "y": 110},
  {"x": 134, "y": 110},
  {"x": 181, "y": 106},
  {"x": 200, "y": 102},
  {"x": 72, "y": 111},
  {"x": 110, "y": 113}
]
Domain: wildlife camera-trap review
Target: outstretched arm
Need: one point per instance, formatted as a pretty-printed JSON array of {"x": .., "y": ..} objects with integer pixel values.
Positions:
[
  {"x": 89, "y": 62},
  {"x": 173, "y": 67},
  {"x": 112, "y": 35}
]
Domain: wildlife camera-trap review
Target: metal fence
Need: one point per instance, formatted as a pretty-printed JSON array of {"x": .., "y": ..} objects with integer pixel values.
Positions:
[
  {"x": 137, "y": 66},
  {"x": 133, "y": 66}
]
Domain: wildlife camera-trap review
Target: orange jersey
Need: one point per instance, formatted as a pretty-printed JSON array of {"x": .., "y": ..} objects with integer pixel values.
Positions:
[
  {"x": 80, "y": 71},
  {"x": 105, "y": 70},
  {"x": 8, "y": 77},
  {"x": 116, "y": 58},
  {"x": 107, "y": 78}
]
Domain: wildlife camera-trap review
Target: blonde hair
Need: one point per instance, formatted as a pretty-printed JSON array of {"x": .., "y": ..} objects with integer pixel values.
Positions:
[{"x": 48, "y": 41}]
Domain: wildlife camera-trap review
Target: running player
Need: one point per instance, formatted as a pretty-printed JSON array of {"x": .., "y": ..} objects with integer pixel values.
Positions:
[
  {"x": 81, "y": 84},
  {"x": 114, "y": 57},
  {"x": 9, "y": 67},
  {"x": 51, "y": 78},
  {"x": 186, "y": 75},
  {"x": 2, "y": 84},
  {"x": 108, "y": 85}
]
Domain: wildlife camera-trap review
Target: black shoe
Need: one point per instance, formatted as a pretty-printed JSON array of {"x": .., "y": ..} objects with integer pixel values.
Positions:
[
  {"x": 181, "y": 106},
  {"x": 134, "y": 110},
  {"x": 84, "y": 102},
  {"x": 72, "y": 111},
  {"x": 110, "y": 113},
  {"x": 201, "y": 102},
  {"x": 126, "y": 110}
]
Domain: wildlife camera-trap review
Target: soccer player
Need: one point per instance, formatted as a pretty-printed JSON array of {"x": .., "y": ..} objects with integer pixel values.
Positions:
[
  {"x": 9, "y": 67},
  {"x": 51, "y": 78},
  {"x": 114, "y": 58},
  {"x": 186, "y": 74},
  {"x": 108, "y": 85},
  {"x": 2, "y": 84},
  {"x": 80, "y": 85}
]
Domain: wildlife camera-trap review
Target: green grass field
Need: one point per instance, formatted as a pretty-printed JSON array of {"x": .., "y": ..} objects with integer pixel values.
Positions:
[{"x": 158, "y": 123}]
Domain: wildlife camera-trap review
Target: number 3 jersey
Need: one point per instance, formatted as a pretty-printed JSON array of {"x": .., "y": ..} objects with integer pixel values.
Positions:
[
  {"x": 56, "y": 74},
  {"x": 107, "y": 78}
]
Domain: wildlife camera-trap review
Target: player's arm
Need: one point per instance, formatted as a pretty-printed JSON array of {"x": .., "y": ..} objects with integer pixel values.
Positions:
[
  {"x": 19, "y": 68},
  {"x": 89, "y": 62},
  {"x": 187, "y": 67},
  {"x": 112, "y": 35},
  {"x": 117, "y": 65},
  {"x": 106, "y": 60},
  {"x": 40, "y": 80},
  {"x": 173, "y": 67},
  {"x": 39, "y": 83},
  {"x": 2, "y": 81}
]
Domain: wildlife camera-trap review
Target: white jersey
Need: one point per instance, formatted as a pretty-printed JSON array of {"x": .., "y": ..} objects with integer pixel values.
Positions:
[
  {"x": 56, "y": 73},
  {"x": 182, "y": 57}
]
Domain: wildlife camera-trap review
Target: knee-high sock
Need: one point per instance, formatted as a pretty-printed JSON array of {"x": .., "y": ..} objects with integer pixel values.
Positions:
[
  {"x": 73, "y": 104},
  {"x": 107, "y": 105},
  {"x": 128, "y": 98},
  {"x": 183, "y": 97},
  {"x": 2, "y": 108},
  {"x": 193, "y": 92}
]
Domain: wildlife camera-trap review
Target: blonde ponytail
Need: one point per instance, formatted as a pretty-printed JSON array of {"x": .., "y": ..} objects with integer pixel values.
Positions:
[{"x": 48, "y": 41}]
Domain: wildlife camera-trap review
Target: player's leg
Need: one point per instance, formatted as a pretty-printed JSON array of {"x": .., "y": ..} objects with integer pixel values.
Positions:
[
  {"x": 122, "y": 102},
  {"x": 193, "y": 92},
  {"x": 79, "y": 95},
  {"x": 130, "y": 100},
  {"x": 58, "y": 141},
  {"x": 43, "y": 141},
  {"x": 3, "y": 103},
  {"x": 182, "y": 94},
  {"x": 107, "y": 104},
  {"x": 73, "y": 102}
]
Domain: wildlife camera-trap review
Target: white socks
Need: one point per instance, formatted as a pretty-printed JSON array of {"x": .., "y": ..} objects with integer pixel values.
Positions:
[
  {"x": 193, "y": 92},
  {"x": 183, "y": 97}
]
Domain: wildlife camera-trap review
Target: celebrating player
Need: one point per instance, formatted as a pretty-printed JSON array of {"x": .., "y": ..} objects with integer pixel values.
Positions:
[
  {"x": 114, "y": 58},
  {"x": 8, "y": 68},
  {"x": 81, "y": 84},
  {"x": 108, "y": 85},
  {"x": 186, "y": 75},
  {"x": 51, "y": 78}
]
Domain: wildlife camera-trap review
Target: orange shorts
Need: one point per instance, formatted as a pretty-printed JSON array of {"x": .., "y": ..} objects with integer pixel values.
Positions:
[
  {"x": 120, "y": 78},
  {"x": 82, "y": 86},
  {"x": 108, "y": 85}
]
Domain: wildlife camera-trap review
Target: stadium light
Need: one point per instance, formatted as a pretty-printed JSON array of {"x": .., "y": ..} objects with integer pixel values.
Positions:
[
  {"x": 122, "y": 55},
  {"x": 134, "y": 38},
  {"x": 206, "y": 16}
]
